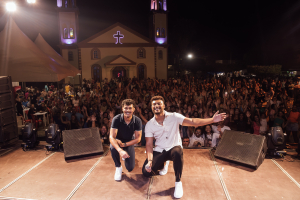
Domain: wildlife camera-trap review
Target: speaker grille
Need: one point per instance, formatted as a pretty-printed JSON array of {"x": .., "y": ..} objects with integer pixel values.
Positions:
[
  {"x": 7, "y": 117},
  {"x": 8, "y": 132},
  {"x": 5, "y": 84},
  {"x": 6, "y": 101},
  {"x": 82, "y": 142},
  {"x": 242, "y": 147}
]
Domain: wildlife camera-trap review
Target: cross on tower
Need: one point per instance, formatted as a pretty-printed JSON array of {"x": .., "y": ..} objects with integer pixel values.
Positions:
[{"x": 118, "y": 36}]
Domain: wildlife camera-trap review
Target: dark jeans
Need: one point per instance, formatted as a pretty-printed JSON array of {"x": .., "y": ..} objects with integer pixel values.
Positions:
[
  {"x": 295, "y": 136},
  {"x": 129, "y": 162},
  {"x": 175, "y": 154}
]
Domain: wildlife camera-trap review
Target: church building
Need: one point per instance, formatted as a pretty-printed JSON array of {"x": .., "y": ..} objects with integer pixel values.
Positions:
[{"x": 117, "y": 51}]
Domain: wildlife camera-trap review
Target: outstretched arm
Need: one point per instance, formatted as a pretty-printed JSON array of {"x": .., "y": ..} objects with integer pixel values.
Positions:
[{"x": 201, "y": 122}]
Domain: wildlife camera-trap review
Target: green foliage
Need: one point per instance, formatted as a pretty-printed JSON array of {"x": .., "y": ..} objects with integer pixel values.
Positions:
[{"x": 265, "y": 70}]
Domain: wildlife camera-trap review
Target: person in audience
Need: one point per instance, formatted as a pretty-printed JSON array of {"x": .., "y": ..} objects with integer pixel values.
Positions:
[
  {"x": 218, "y": 131},
  {"x": 197, "y": 138},
  {"x": 293, "y": 124},
  {"x": 185, "y": 141},
  {"x": 104, "y": 135}
]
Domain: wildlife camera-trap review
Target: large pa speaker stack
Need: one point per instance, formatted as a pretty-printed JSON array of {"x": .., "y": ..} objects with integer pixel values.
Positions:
[
  {"x": 8, "y": 120},
  {"x": 81, "y": 143},
  {"x": 243, "y": 148}
]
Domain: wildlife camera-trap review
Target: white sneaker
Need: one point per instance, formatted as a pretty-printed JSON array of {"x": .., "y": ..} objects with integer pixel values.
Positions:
[
  {"x": 178, "y": 193},
  {"x": 118, "y": 173},
  {"x": 164, "y": 171}
]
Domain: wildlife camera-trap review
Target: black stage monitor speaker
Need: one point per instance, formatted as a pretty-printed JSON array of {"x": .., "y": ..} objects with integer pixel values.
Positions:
[
  {"x": 5, "y": 84},
  {"x": 82, "y": 142},
  {"x": 243, "y": 148}
]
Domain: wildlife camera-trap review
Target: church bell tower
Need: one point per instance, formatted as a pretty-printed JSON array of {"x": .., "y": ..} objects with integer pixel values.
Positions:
[
  {"x": 159, "y": 22},
  {"x": 68, "y": 22}
]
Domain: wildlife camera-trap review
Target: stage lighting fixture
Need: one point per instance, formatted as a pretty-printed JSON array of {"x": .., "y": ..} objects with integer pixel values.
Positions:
[
  {"x": 29, "y": 136},
  {"x": 276, "y": 141},
  {"x": 11, "y": 6},
  {"x": 53, "y": 137}
]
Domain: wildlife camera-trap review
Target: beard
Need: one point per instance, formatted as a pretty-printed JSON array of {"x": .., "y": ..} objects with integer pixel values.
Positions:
[{"x": 158, "y": 111}]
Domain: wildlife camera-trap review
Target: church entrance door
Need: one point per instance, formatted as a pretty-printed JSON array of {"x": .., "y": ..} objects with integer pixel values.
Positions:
[{"x": 119, "y": 72}]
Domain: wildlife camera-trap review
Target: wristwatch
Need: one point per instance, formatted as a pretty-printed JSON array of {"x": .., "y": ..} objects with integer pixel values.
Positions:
[{"x": 124, "y": 144}]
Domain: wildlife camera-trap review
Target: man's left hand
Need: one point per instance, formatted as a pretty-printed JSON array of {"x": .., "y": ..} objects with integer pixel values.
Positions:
[{"x": 219, "y": 117}]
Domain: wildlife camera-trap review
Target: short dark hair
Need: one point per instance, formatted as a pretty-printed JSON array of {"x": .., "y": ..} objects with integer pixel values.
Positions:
[
  {"x": 128, "y": 102},
  {"x": 157, "y": 98}
]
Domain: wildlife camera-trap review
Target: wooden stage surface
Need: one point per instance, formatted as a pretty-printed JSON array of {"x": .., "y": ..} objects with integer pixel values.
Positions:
[{"x": 36, "y": 175}]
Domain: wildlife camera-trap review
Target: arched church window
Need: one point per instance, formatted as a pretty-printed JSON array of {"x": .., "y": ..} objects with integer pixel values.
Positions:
[
  {"x": 70, "y": 56},
  {"x": 65, "y": 33},
  {"x": 160, "y": 55},
  {"x": 141, "y": 53},
  {"x": 71, "y": 33},
  {"x": 66, "y": 3},
  {"x": 157, "y": 32},
  {"x": 96, "y": 73},
  {"x": 95, "y": 54},
  {"x": 163, "y": 33},
  {"x": 160, "y": 5},
  {"x": 165, "y": 5}
]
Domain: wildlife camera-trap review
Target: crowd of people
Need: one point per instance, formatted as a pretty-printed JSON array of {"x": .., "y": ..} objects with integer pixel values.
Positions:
[{"x": 253, "y": 105}]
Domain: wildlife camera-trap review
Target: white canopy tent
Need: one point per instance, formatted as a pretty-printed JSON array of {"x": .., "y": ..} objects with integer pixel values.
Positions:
[
  {"x": 21, "y": 59},
  {"x": 47, "y": 49}
]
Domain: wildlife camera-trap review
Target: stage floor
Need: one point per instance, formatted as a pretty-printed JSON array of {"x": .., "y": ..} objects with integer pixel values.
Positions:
[{"x": 35, "y": 175}]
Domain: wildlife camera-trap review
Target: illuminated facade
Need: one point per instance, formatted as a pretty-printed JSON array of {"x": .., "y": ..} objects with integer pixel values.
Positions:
[{"x": 117, "y": 51}]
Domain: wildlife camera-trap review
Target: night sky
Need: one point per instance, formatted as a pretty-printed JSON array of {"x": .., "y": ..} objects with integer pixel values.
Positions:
[{"x": 259, "y": 32}]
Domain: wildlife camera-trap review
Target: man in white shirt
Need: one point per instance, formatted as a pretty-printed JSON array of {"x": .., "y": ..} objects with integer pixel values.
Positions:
[
  {"x": 196, "y": 138},
  {"x": 218, "y": 132},
  {"x": 164, "y": 127}
]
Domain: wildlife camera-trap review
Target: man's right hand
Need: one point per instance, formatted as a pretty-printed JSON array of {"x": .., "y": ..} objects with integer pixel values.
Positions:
[
  {"x": 124, "y": 154},
  {"x": 148, "y": 166}
]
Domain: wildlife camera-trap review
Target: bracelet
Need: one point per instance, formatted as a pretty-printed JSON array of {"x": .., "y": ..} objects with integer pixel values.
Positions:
[
  {"x": 120, "y": 150},
  {"x": 149, "y": 160}
]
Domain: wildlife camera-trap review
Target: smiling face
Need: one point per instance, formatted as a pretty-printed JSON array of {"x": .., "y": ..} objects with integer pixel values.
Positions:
[
  {"x": 185, "y": 142},
  {"x": 158, "y": 107},
  {"x": 207, "y": 129},
  {"x": 198, "y": 132},
  {"x": 128, "y": 110}
]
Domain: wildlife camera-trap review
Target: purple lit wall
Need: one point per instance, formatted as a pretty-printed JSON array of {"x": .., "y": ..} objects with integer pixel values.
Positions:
[
  {"x": 59, "y": 3},
  {"x": 68, "y": 41},
  {"x": 165, "y": 5},
  {"x": 161, "y": 40},
  {"x": 153, "y": 5}
]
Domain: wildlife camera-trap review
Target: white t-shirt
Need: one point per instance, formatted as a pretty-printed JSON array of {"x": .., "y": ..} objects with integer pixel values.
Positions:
[
  {"x": 194, "y": 139},
  {"x": 167, "y": 135},
  {"x": 216, "y": 134}
]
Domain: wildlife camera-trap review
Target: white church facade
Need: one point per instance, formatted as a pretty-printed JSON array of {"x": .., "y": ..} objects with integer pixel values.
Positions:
[{"x": 117, "y": 51}]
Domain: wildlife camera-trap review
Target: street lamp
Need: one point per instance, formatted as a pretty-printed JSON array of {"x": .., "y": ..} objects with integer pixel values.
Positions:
[
  {"x": 31, "y": 1},
  {"x": 190, "y": 56},
  {"x": 11, "y": 6}
]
